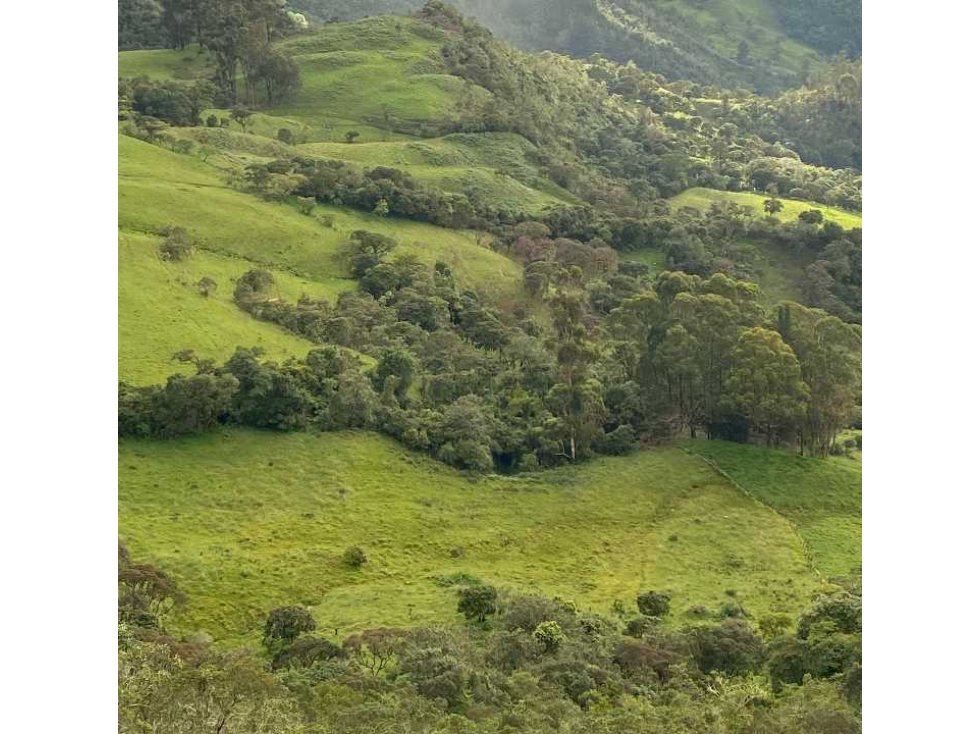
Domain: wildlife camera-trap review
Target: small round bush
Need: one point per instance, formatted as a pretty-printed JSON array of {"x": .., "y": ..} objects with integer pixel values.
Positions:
[
  {"x": 355, "y": 557},
  {"x": 654, "y": 604}
]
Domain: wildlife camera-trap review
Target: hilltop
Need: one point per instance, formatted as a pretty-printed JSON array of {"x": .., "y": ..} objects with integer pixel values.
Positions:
[{"x": 760, "y": 44}]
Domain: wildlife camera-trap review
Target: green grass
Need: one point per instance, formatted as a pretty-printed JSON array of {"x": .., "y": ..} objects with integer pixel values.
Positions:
[
  {"x": 158, "y": 188},
  {"x": 701, "y": 198},
  {"x": 187, "y": 64},
  {"x": 246, "y": 521},
  {"x": 492, "y": 167},
  {"x": 381, "y": 71},
  {"x": 822, "y": 497},
  {"x": 162, "y": 312}
]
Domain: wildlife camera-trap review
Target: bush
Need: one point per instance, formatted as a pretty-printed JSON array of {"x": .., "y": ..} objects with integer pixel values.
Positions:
[
  {"x": 206, "y": 287},
  {"x": 305, "y": 652},
  {"x": 477, "y": 602},
  {"x": 176, "y": 246},
  {"x": 731, "y": 648},
  {"x": 285, "y": 624},
  {"x": 550, "y": 635},
  {"x": 619, "y": 442},
  {"x": 354, "y": 557},
  {"x": 640, "y": 626},
  {"x": 654, "y": 604},
  {"x": 306, "y": 205},
  {"x": 284, "y": 135}
]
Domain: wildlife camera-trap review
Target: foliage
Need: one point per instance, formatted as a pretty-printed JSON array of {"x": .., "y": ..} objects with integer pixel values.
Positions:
[
  {"x": 285, "y": 624},
  {"x": 477, "y": 602},
  {"x": 355, "y": 557},
  {"x": 654, "y": 604}
]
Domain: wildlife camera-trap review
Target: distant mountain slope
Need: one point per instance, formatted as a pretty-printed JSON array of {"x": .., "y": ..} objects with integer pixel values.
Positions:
[{"x": 762, "y": 44}]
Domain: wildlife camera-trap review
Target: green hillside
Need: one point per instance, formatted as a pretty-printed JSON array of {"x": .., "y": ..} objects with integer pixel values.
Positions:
[
  {"x": 158, "y": 188},
  {"x": 454, "y": 491},
  {"x": 701, "y": 198},
  {"x": 246, "y": 521},
  {"x": 683, "y": 40},
  {"x": 161, "y": 310},
  {"x": 821, "y": 497}
]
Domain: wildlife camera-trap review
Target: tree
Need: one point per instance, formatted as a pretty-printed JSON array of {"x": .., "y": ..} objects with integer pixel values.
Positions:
[
  {"x": 398, "y": 364},
  {"x": 241, "y": 115},
  {"x": 653, "y": 604},
  {"x": 176, "y": 246},
  {"x": 365, "y": 250},
  {"x": 766, "y": 383},
  {"x": 381, "y": 209},
  {"x": 206, "y": 287},
  {"x": 254, "y": 286},
  {"x": 477, "y": 602},
  {"x": 550, "y": 635},
  {"x": 773, "y": 206},
  {"x": 351, "y": 135},
  {"x": 178, "y": 22},
  {"x": 275, "y": 73},
  {"x": 285, "y": 624}
]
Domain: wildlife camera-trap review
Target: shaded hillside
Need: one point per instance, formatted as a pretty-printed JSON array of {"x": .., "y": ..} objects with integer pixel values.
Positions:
[{"x": 760, "y": 44}]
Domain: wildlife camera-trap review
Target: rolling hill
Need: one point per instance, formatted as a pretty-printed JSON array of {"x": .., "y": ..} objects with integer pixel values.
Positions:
[
  {"x": 246, "y": 521},
  {"x": 761, "y": 44}
]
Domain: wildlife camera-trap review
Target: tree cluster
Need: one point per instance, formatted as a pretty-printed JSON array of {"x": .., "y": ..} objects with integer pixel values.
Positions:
[
  {"x": 480, "y": 388},
  {"x": 523, "y": 664}
]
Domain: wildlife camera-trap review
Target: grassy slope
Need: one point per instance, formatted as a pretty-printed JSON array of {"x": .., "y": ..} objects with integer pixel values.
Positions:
[
  {"x": 821, "y": 496},
  {"x": 162, "y": 312},
  {"x": 700, "y": 198},
  {"x": 381, "y": 69},
  {"x": 164, "y": 64},
  {"x": 247, "y": 521},
  {"x": 492, "y": 165},
  {"x": 159, "y": 188}
]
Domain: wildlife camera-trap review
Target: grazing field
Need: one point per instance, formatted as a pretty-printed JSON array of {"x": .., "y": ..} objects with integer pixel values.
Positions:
[
  {"x": 381, "y": 70},
  {"x": 246, "y": 521},
  {"x": 187, "y": 64},
  {"x": 158, "y": 188},
  {"x": 161, "y": 310},
  {"x": 700, "y": 198},
  {"x": 493, "y": 167},
  {"x": 822, "y": 497}
]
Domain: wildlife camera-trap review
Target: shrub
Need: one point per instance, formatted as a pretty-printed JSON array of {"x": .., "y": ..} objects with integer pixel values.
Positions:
[
  {"x": 212, "y": 121},
  {"x": 284, "y": 135},
  {"x": 176, "y": 246},
  {"x": 477, "y": 602},
  {"x": 619, "y": 442},
  {"x": 550, "y": 635},
  {"x": 306, "y": 205},
  {"x": 732, "y": 648},
  {"x": 654, "y": 604},
  {"x": 305, "y": 652},
  {"x": 285, "y": 624},
  {"x": 206, "y": 287},
  {"x": 354, "y": 557},
  {"x": 640, "y": 626}
]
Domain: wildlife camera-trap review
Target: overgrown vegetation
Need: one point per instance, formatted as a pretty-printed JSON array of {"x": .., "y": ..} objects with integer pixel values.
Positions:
[{"x": 525, "y": 662}]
